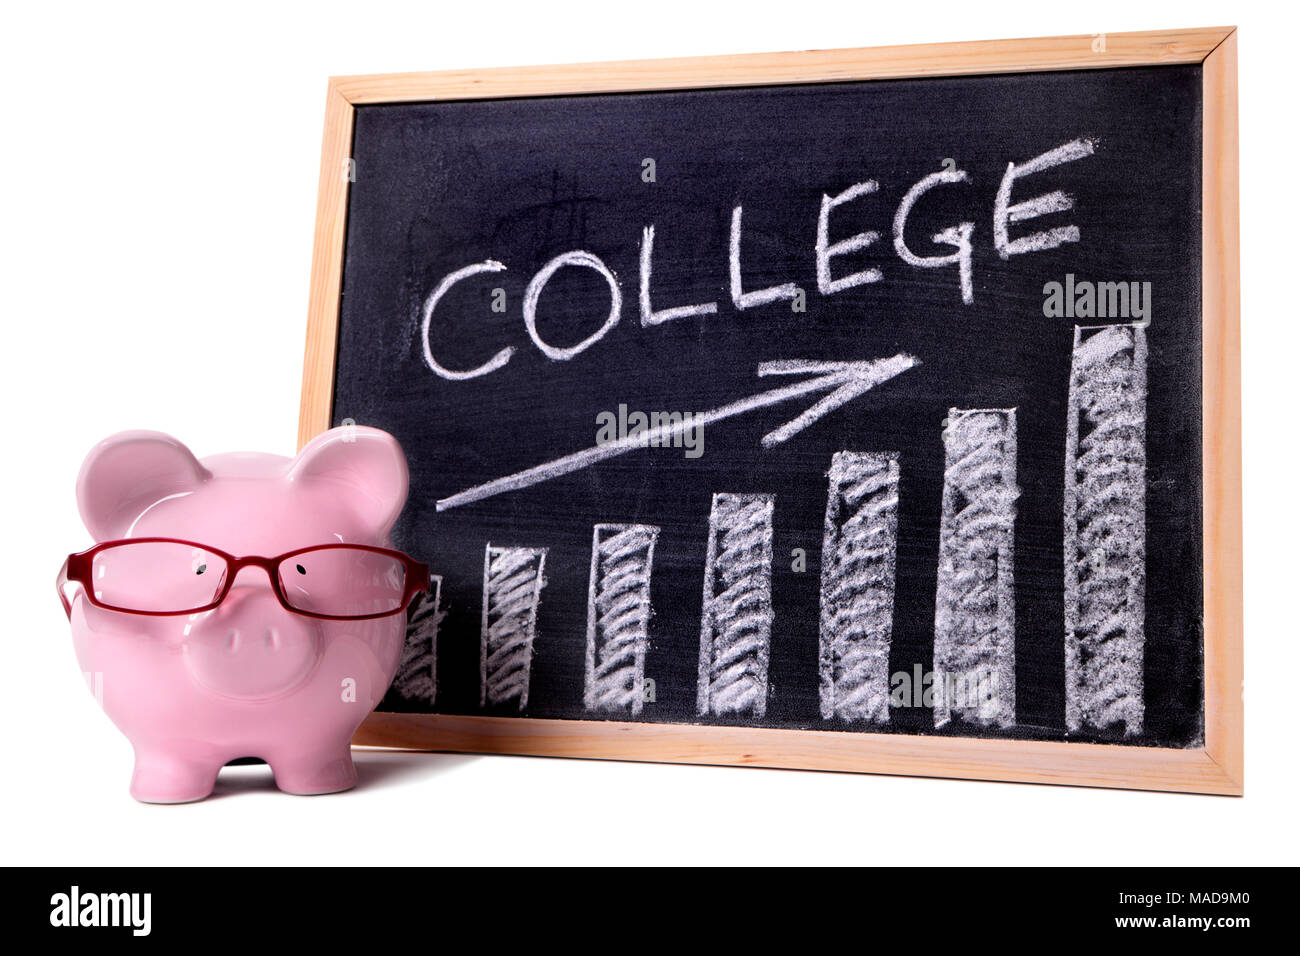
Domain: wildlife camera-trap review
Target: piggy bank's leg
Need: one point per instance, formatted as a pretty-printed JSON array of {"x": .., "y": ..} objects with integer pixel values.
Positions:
[
  {"x": 327, "y": 769},
  {"x": 163, "y": 776}
]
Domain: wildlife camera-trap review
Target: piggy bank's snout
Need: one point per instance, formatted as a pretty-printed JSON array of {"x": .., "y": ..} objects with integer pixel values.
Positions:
[{"x": 250, "y": 647}]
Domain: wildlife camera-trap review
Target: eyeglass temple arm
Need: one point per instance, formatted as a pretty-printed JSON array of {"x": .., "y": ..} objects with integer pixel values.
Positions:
[{"x": 61, "y": 582}]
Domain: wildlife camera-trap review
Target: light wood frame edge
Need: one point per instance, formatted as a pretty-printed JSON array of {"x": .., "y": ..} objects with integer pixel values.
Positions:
[
  {"x": 1221, "y": 412},
  {"x": 968, "y": 758},
  {"x": 1217, "y": 768}
]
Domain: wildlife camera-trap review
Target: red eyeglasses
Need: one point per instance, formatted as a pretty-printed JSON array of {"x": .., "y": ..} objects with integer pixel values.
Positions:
[{"x": 170, "y": 576}]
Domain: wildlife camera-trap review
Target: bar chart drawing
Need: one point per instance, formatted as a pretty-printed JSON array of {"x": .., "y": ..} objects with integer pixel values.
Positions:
[
  {"x": 975, "y": 613},
  {"x": 1105, "y": 529},
  {"x": 878, "y": 552},
  {"x": 513, "y": 579},
  {"x": 618, "y": 616},
  {"x": 736, "y": 623},
  {"x": 859, "y": 550},
  {"x": 417, "y": 670}
]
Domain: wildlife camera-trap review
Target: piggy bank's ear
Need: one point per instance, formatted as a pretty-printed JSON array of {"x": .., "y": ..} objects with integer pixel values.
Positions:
[
  {"x": 123, "y": 476},
  {"x": 368, "y": 465}
]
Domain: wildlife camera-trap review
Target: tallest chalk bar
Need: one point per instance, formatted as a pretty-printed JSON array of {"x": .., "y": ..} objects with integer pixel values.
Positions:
[{"x": 1105, "y": 529}]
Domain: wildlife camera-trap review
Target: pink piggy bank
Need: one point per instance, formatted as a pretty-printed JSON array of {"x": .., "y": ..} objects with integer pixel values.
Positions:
[{"x": 245, "y": 605}]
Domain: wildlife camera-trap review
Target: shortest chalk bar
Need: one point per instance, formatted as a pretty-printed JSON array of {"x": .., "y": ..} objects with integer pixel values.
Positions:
[{"x": 417, "y": 671}]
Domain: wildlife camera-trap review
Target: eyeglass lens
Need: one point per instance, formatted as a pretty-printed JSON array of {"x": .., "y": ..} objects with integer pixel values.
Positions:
[
  {"x": 157, "y": 576},
  {"x": 168, "y": 577},
  {"x": 347, "y": 582}
]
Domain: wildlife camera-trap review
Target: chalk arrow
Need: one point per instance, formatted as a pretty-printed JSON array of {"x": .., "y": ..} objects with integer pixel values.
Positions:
[{"x": 844, "y": 380}]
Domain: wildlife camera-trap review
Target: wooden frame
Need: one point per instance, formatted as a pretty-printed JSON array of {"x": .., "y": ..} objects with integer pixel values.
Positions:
[{"x": 1216, "y": 767}]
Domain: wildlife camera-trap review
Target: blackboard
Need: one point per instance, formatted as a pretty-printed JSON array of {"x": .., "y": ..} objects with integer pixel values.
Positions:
[{"x": 853, "y": 408}]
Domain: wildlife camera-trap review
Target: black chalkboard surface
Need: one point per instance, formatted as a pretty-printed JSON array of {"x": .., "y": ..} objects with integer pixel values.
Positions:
[{"x": 867, "y": 407}]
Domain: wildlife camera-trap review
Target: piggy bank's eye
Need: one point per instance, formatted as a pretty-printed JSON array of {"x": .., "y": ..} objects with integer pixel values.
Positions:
[
  {"x": 301, "y": 569},
  {"x": 200, "y": 566}
]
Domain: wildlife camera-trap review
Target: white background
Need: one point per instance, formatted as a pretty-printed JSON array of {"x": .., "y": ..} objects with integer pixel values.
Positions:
[{"x": 159, "y": 187}]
